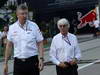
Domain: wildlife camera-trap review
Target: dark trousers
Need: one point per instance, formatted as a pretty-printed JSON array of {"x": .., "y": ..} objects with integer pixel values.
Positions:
[
  {"x": 95, "y": 32},
  {"x": 28, "y": 66},
  {"x": 71, "y": 70}
]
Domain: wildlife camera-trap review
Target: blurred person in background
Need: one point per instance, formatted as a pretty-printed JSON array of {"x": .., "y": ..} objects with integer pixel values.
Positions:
[{"x": 4, "y": 36}]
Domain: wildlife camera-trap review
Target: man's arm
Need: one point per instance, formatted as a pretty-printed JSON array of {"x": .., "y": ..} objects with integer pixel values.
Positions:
[
  {"x": 41, "y": 55},
  {"x": 41, "y": 49}
]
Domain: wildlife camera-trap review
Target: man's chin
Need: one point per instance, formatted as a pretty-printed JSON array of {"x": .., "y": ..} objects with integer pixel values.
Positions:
[
  {"x": 25, "y": 19},
  {"x": 63, "y": 33}
]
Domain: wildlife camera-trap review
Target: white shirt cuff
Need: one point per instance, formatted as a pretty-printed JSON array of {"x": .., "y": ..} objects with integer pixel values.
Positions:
[{"x": 57, "y": 62}]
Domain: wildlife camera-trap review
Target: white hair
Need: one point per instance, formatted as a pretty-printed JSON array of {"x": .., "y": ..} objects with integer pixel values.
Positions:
[{"x": 63, "y": 21}]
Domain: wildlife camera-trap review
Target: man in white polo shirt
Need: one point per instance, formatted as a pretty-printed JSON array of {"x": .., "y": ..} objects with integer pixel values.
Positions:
[
  {"x": 27, "y": 40},
  {"x": 64, "y": 50}
]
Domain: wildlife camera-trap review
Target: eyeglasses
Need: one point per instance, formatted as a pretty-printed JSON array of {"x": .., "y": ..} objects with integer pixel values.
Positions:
[{"x": 62, "y": 26}]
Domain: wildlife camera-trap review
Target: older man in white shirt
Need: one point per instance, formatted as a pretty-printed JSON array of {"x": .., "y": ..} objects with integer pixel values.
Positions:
[
  {"x": 27, "y": 39},
  {"x": 64, "y": 50}
]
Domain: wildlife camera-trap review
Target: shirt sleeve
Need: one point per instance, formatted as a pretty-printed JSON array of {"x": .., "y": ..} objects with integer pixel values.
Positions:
[
  {"x": 52, "y": 53},
  {"x": 9, "y": 37},
  {"x": 39, "y": 36},
  {"x": 77, "y": 50},
  {"x": 0, "y": 35}
]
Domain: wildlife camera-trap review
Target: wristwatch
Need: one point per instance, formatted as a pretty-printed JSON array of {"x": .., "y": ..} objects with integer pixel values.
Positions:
[{"x": 42, "y": 58}]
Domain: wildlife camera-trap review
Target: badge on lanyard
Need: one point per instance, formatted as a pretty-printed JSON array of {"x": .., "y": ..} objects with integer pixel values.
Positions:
[{"x": 66, "y": 39}]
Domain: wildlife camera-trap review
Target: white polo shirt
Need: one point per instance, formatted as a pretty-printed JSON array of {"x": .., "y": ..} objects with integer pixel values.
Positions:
[
  {"x": 25, "y": 39},
  {"x": 64, "y": 51}
]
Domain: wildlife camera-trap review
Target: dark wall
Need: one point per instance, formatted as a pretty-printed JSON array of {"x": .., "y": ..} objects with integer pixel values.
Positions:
[{"x": 35, "y": 4}]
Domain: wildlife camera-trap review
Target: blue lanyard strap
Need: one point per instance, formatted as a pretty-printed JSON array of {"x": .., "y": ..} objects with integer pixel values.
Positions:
[{"x": 66, "y": 40}]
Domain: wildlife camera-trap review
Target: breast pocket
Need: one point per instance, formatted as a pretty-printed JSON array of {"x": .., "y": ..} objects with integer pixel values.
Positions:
[{"x": 30, "y": 37}]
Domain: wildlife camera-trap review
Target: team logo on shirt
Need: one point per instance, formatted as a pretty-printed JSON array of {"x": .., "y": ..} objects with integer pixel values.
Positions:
[
  {"x": 14, "y": 33},
  {"x": 29, "y": 29}
]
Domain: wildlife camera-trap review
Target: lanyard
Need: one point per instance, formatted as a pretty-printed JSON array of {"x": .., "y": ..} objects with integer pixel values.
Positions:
[
  {"x": 66, "y": 40},
  {"x": 26, "y": 26}
]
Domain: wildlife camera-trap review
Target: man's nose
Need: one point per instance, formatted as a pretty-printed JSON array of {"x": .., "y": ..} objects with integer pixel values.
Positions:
[{"x": 25, "y": 15}]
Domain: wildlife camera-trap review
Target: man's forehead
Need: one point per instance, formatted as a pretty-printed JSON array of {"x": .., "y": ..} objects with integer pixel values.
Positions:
[
  {"x": 63, "y": 25},
  {"x": 20, "y": 11}
]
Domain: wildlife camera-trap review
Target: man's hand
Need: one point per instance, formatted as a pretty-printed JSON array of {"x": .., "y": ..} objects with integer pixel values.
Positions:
[
  {"x": 41, "y": 64},
  {"x": 5, "y": 68},
  {"x": 73, "y": 62},
  {"x": 63, "y": 65}
]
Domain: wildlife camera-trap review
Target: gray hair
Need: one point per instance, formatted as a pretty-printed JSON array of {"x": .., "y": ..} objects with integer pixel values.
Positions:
[
  {"x": 63, "y": 21},
  {"x": 22, "y": 7}
]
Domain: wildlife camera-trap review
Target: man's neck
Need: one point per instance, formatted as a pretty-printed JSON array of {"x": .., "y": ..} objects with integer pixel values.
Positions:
[
  {"x": 65, "y": 34},
  {"x": 22, "y": 22}
]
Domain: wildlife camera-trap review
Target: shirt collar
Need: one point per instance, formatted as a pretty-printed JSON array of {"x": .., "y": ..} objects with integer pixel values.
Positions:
[
  {"x": 64, "y": 36},
  {"x": 20, "y": 24},
  {"x": 25, "y": 25}
]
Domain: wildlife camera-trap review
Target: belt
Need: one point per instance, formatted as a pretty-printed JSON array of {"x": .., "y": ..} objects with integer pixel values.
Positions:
[
  {"x": 23, "y": 59},
  {"x": 26, "y": 59}
]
